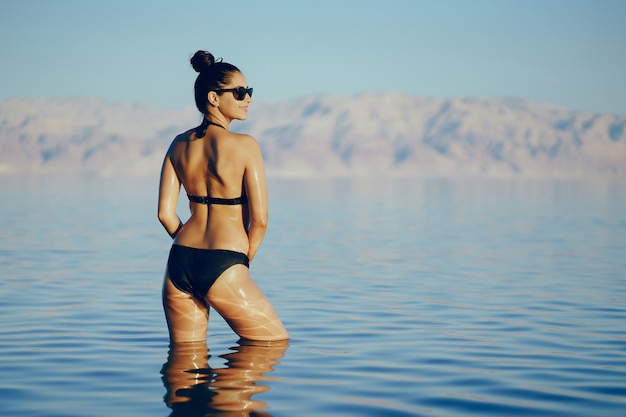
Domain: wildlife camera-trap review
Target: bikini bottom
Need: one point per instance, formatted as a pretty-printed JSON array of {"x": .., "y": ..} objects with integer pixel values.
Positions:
[{"x": 193, "y": 270}]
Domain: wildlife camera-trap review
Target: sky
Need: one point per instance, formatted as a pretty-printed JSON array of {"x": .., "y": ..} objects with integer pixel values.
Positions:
[{"x": 570, "y": 53}]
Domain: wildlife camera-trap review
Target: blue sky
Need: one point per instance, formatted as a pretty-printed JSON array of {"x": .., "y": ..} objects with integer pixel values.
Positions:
[{"x": 567, "y": 52}]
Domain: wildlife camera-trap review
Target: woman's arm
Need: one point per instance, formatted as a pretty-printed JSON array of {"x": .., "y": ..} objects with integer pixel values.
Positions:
[
  {"x": 256, "y": 190},
  {"x": 169, "y": 190}
]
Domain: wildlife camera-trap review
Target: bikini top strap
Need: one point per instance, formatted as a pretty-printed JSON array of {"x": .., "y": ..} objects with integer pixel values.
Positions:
[
  {"x": 216, "y": 200},
  {"x": 201, "y": 130}
]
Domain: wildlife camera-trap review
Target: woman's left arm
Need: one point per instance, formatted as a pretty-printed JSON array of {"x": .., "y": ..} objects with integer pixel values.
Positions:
[{"x": 169, "y": 190}]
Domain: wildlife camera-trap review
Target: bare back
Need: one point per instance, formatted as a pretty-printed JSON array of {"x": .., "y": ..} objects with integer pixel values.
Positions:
[{"x": 222, "y": 164}]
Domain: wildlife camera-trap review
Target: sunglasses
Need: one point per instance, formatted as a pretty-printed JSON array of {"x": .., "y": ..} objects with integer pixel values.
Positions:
[{"x": 238, "y": 92}]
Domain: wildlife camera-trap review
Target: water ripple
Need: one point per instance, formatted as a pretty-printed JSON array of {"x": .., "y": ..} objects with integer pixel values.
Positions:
[{"x": 461, "y": 300}]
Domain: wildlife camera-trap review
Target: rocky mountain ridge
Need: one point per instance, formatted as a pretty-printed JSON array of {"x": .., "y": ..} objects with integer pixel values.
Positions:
[{"x": 363, "y": 135}]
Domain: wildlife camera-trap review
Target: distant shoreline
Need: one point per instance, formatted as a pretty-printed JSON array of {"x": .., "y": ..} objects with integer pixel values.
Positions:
[{"x": 366, "y": 135}]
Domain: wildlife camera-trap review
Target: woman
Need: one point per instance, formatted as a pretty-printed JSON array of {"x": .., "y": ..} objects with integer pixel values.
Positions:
[{"x": 223, "y": 176}]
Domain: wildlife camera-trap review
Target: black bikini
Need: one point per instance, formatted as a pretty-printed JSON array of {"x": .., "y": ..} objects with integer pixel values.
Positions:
[
  {"x": 194, "y": 270},
  {"x": 215, "y": 200}
]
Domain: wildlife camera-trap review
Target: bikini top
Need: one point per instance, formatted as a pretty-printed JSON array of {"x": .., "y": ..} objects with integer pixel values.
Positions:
[
  {"x": 200, "y": 132},
  {"x": 215, "y": 200}
]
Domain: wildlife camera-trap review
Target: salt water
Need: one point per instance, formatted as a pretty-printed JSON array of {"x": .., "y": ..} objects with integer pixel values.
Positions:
[{"x": 420, "y": 297}]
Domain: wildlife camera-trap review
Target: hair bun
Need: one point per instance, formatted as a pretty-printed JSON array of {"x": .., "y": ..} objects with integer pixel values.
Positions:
[{"x": 202, "y": 61}]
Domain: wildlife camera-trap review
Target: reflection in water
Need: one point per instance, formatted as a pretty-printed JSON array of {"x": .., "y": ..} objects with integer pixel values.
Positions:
[{"x": 195, "y": 389}]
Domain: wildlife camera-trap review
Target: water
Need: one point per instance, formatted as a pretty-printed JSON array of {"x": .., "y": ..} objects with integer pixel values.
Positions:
[{"x": 402, "y": 298}]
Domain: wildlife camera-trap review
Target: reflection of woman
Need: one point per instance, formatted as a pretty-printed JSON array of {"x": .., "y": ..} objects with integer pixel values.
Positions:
[
  {"x": 222, "y": 173},
  {"x": 195, "y": 389}
]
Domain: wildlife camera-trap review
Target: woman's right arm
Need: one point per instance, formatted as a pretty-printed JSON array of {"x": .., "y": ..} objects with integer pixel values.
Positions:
[
  {"x": 169, "y": 190},
  {"x": 256, "y": 191}
]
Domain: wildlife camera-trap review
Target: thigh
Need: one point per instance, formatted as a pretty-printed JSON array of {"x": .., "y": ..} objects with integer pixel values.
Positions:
[
  {"x": 187, "y": 317},
  {"x": 244, "y": 306}
]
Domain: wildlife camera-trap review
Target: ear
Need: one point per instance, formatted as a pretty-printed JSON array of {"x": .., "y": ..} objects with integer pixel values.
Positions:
[{"x": 212, "y": 98}]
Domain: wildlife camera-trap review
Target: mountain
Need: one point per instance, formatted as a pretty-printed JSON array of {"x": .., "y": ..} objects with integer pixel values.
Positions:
[{"x": 367, "y": 134}]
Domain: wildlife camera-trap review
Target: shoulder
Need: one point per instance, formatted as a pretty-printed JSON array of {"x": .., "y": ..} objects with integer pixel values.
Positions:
[
  {"x": 185, "y": 136},
  {"x": 181, "y": 138},
  {"x": 243, "y": 138},
  {"x": 244, "y": 141}
]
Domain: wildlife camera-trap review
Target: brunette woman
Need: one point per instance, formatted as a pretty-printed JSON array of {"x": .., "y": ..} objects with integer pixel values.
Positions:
[{"x": 223, "y": 176}]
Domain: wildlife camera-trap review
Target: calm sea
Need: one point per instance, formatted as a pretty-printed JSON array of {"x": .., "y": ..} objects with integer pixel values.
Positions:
[{"x": 402, "y": 298}]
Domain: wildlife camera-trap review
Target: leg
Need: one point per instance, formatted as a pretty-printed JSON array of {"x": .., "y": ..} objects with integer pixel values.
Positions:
[
  {"x": 186, "y": 368},
  {"x": 187, "y": 318},
  {"x": 244, "y": 306}
]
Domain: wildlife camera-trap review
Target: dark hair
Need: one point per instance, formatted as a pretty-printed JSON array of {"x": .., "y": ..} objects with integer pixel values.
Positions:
[{"x": 212, "y": 76}]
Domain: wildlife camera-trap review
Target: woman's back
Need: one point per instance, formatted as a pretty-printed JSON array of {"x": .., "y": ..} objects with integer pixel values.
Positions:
[{"x": 213, "y": 166}]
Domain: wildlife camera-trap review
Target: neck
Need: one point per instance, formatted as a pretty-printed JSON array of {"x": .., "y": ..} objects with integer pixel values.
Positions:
[
  {"x": 208, "y": 122},
  {"x": 201, "y": 130},
  {"x": 216, "y": 117}
]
